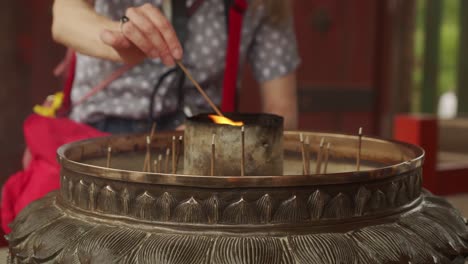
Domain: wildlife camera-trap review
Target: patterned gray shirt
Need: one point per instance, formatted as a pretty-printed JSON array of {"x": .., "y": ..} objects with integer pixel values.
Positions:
[{"x": 271, "y": 52}]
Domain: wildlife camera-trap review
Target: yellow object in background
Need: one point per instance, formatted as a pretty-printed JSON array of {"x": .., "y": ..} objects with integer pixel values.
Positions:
[{"x": 50, "y": 106}]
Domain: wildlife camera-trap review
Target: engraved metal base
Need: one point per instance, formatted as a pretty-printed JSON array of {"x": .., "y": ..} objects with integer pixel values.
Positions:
[
  {"x": 380, "y": 215},
  {"x": 430, "y": 231}
]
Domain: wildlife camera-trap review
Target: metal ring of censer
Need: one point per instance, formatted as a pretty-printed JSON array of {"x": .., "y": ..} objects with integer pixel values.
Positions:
[{"x": 307, "y": 214}]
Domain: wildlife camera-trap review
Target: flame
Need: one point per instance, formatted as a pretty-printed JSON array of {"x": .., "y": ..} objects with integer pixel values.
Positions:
[{"x": 224, "y": 121}]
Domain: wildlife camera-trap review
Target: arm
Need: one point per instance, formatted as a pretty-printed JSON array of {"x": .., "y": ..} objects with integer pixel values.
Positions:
[
  {"x": 147, "y": 34},
  {"x": 279, "y": 97},
  {"x": 76, "y": 25}
]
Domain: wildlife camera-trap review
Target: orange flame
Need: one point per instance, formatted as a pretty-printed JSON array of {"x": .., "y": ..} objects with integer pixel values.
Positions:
[{"x": 224, "y": 121}]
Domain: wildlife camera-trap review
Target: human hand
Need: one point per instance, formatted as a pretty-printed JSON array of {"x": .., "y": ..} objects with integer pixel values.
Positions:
[{"x": 148, "y": 33}]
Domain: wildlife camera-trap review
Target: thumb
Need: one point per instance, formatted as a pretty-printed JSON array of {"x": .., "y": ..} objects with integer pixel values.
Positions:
[{"x": 115, "y": 39}]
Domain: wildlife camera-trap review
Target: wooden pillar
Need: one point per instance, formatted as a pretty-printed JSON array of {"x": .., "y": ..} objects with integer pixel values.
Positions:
[
  {"x": 12, "y": 92},
  {"x": 394, "y": 61},
  {"x": 28, "y": 56},
  {"x": 433, "y": 16},
  {"x": 462, "y": 74}
]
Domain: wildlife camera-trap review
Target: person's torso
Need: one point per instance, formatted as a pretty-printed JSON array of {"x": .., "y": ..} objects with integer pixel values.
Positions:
[{"x": 129, "y": 95}]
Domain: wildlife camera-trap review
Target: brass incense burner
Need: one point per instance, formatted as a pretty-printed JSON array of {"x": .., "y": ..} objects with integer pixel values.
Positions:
[{"x": 120, "y": 214}]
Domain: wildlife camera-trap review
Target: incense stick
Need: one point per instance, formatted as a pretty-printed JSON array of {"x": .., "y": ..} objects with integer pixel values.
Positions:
[
  {"x": 307, "y": 154},
  {"x": 304, "y": 166},
  {"x": 155, "y": 166},
  {"x": 174, "y": 167},
  {"x": 327, "y": 153},
  {"x": 213, "y": 151},
  {"x": 153, "y": 130},
  {"x": 181, "y": 65},
  {"x": 159, "y": 163},
  {"x": 243, "y": 151},
  {"x": 166, "y": 167},
  {"x": 319, "y": 157},
  {"x": 179, "y": 150},
  {"x": 109, "y": 152},
  {"x": 146, "y": 164},
  {"x": 358, "y": 155}
]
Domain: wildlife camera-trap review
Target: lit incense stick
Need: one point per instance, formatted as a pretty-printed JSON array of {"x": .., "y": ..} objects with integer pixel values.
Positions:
[{"x": 202, "y": 92}]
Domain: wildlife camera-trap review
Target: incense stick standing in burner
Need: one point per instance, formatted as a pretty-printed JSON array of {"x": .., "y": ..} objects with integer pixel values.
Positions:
[
  {"x": 174, "y": 165},
  {"x": 307, "y": 154},
  {"x": 155, "y": 166},
  {"x": 243, "y": 151},
  {"x": 179, "y": 150},
  {"x": 153, "y": 130},
  {"x": 327, "y": 154},
  {"x": 304, "y": 166},
  {"x": 213, "y": 153},
  {"x": 159, "y": 163},
  {"x": 147, "y": 162},
  {"x": 109, "y": 152},
  {"x": 166, "y": 167},
  {"x": 358, "y": 155},
  {"x": 319, "y": 157}
]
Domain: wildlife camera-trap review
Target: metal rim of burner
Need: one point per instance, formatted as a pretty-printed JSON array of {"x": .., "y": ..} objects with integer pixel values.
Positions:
[{"x": 399, "y": 158}]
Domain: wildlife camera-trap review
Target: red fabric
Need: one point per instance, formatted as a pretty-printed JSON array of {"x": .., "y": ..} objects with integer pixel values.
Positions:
[
  {"x": 236, "y": 13},
  {"x": 43, "y": 136}
]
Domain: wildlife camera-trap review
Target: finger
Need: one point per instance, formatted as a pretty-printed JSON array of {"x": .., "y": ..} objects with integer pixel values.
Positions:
[
  {"x": 168, "y": 60},
  {"x": 137, "y": 37},
  {"x": 150, "y": 32},
  {"x": 115, "y": 39},
  {"x": 166, "y": 30}
]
